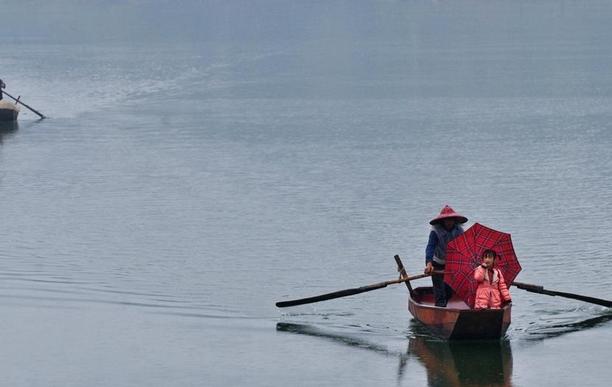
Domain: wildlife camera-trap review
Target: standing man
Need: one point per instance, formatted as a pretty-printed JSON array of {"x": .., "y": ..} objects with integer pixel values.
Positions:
[
  {"x": 445, "y": 227},
  {"x": 2, "y": 86}
]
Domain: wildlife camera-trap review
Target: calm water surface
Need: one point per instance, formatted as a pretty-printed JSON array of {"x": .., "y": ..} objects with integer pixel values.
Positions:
[{"x": 185, "y": 183}]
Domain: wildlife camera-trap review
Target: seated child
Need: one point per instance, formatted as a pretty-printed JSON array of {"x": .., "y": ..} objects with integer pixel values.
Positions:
[{"x": 492, "y": 288}]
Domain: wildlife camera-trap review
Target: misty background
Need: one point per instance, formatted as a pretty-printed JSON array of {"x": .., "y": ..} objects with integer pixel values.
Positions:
[{"x": 205, "y": 159}]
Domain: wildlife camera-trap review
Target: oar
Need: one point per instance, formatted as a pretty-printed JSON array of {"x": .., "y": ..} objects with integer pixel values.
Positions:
[
  {"x": 349, "y": 292},
  {"x": 403, "y": 274},
  {"x": 541, "y": 290},
  {"x": 18, "y": 100}
]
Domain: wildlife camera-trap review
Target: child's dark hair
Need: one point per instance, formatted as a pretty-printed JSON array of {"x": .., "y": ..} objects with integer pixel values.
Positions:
[{"x": 489, "y": 252}]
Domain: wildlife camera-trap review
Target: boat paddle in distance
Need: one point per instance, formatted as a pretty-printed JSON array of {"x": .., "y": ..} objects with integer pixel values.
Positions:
[{"x": 18, "y": 100}]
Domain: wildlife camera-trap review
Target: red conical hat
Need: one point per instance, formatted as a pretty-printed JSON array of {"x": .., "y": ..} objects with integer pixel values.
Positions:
[{"x": 448, "y": 212}]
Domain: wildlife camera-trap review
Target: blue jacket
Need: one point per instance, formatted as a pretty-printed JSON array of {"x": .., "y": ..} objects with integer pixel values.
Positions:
[{"x": 433, "y": 248}]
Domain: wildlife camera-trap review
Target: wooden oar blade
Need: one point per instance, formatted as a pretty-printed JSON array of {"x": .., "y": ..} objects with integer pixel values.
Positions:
[
  {"x": 330, "y": 296},
  {"x": 541, "y": 290},
  {"x": 592, "y": 300}
]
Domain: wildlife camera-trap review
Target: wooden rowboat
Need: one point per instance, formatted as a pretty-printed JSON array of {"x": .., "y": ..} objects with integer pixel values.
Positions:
[
  {"x": 457, "y": 320},
  {"x": 8, "y": 111}
]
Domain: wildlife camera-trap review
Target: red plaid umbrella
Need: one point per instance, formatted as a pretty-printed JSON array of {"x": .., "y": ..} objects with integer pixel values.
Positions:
[{"x": 464, "y": 254}]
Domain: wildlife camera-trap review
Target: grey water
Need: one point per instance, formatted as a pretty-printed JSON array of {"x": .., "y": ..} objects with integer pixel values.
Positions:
[{"x": 205, "y": 159}]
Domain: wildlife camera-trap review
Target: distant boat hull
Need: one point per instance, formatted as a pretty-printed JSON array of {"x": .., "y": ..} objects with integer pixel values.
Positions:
[
  {"x": 8, "y": 111},
  {"x": 457, "y": 321}
]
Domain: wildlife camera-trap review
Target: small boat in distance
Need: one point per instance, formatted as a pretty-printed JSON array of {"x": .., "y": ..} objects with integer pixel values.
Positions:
[
  {"x": 457, "y": 320},
  {"x": 8, "y": 111}
]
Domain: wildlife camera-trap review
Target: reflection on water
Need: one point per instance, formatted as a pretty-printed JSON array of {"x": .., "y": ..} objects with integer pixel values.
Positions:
[
  {"x": 352, "y": 341},
  {"x": 7, "y": 129},
  {"x": 447, "y": 363},
  {"x": 550, "y": 330},
  {"x": 453, "y": 363}
]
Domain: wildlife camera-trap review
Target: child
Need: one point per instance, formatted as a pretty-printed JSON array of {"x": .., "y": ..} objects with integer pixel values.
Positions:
[
  {"x": 492, "y": 288},
  {"x": 445, "y": 227}
]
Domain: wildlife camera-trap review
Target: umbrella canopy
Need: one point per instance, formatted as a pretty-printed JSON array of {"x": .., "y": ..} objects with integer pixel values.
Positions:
[{"x": 464, "y": 254}]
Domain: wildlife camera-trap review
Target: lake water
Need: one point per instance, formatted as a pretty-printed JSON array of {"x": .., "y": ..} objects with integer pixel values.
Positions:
[{"x": 202, "y": 162}]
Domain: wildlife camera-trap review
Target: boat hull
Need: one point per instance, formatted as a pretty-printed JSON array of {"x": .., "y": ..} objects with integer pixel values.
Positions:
[
  {"x": 8, "y": 111},
  {"x": 458, "y": 321}
]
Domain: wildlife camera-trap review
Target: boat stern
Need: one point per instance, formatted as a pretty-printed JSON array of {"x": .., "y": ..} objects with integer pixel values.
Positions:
[{"x": 8, "y": 111}]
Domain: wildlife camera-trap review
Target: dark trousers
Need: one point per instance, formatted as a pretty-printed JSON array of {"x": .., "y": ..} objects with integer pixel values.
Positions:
[{"x": 442, "y": 292}]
